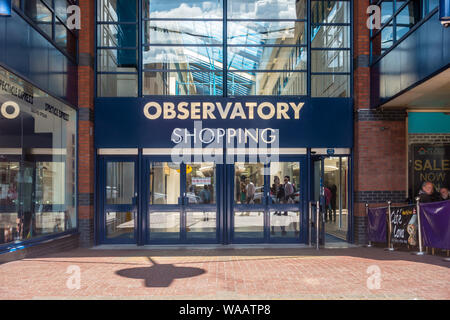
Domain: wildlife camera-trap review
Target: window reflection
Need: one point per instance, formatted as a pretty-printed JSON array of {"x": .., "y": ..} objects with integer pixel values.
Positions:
[
  {"x": 37, "y": 165},
  {"x": 266, "y": 32},
  {"x": 117, "y": 10},
  {"x": 164, "y": 183},
  {"x": 183, "y": 83},
  {"x": 327, "y": 11},
  {"x": 201, "y": 225},
  {"x": 40, "y": 15},
  {"x": 183, "y": 58},
  {"x": 198, "y": 9},
  {"x": 249, "y": 183},
  {"x": 200, "y": 183},
  {"x": 267, "y": 9},
  {"x": 266, "y": 83},
  {"x": 285, "y": 182},
  {"x": 164, "y": 226},
  {"x": 120, "y": 182},
  {"x": 183, "y": 32},
  {"x": 284, "y": 224},
  {"x": 249, "y": 225},
  {"x": 120, "y": 225}
]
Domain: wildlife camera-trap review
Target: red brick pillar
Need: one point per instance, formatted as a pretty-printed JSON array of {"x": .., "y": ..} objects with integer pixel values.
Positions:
[
  {"x": 86, "y": 154},
  {"x": 380, "y": 151}
]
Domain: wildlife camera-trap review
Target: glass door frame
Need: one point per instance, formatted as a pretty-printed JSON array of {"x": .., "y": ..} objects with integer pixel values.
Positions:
[
  {"x": 104, "y": 207},
  {"x": 349, "y": 192},
  {"x": 267, "y": 207},
  {"x": 182, "y": 207}
]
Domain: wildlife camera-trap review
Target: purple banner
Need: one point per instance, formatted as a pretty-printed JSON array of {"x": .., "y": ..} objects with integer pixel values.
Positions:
[
  {"x": 377, "y": 224},
  {"x": 435, "y": 221}
]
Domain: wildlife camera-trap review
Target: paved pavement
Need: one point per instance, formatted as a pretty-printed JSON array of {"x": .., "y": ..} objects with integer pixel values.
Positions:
[{"x": 250, "y": 273}]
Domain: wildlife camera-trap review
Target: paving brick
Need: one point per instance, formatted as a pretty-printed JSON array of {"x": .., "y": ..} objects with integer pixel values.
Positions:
[{"x": 227, "y": 274}]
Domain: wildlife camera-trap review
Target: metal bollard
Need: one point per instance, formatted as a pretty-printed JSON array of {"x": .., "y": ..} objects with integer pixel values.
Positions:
[
  {"x": 367, "y": 215},
  {"x": 420, "y": 252},
  {"x": 317, "y": 224},
  {"x": 310, "y": 224},
  {"x": 390, "y": 246}
]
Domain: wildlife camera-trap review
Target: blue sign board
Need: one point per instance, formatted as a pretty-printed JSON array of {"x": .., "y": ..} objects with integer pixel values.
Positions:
[
  {"x": 5, "y": 7},
  {"x": 158, "y": 122}
]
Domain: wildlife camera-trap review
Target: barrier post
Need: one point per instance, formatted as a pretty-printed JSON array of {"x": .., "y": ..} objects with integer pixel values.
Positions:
[
  {"x": 310, "y": 224},
  {"x": 390, "y": 246},
  {"x": 367, "y": 215},
  {"x": 419, "y": 227},
  {"x": 317, "y": 224}
]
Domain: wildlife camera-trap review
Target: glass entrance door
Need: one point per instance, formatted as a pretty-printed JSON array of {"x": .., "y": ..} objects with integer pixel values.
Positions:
[
  {"x": 119, "y": 200},
  {"x": 268, "y": 202},
  {"x": 182, "y": 204}
]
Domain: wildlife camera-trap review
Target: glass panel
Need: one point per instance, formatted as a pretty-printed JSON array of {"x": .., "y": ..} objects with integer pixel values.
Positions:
[
  {"x": 10, "y": 226},
  {"x": 330, "y": 85},
  {"x": 36, "y": 197},
  {"x": 200, "y": 183},
  {"x": 40, "y": 15},
  {"x": 336, "y": 188},
  {"x": 117, "y": 85},
  {"x": 117, "y": 10},
  {"x": 387, "y": 10},
  {"x": 267, "y": 9},
  {"x": 194, "y": 9},
  {"x": 326, "y": 11},
  {"x": 183, "y": 83},
  {"x": 406, "y": 19},
  {"x": 432, "y": 4},
  {"x": 285, "y": 178},
  {"x": 183, "y": 58},
  {"x": 120, "y": 225},
  {"x": 249, "y": 225},
  {"x": 113, "y": 60},
  {"x": 164, "y": 225},
  {"x": 51, "y": 222},
  {"x": 61, "y": 9},
  {"x": 284, "y": 224},
  {"x": 164, "y": 183},
  {"x": 399, "y": 3},
  {"x": 249, "y": 183},
  {"x": 201, "y": 225},
  {"x": 387, "y": 37},
  {"x": 117, "y": 35},
  {"x": 267, "y": 58},
  {"x": 330, "y": 61},
  {"x": 266, "y": 83},
  {"x": 50, "y": 188},
  {"x": 183, "y": 32},
  {"x": 120, "y": 183},
  {"x": 267, "y": 32},
  {"x": 330, "y": 37}
]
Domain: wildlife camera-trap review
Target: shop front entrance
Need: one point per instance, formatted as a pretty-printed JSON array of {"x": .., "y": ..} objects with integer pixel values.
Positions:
[{"x": 151, "y": 200}]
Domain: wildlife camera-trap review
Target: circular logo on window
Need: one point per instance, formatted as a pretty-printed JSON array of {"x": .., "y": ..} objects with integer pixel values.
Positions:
[{"x": 10, "y": 110}]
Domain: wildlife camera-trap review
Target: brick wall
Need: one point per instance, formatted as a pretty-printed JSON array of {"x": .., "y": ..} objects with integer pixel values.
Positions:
[
  {"x": 86, "y": 76},
  {"x": 380, "y": 150}
]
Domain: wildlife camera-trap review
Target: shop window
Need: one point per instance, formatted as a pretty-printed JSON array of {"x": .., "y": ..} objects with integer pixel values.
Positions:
[
  {"x": 37, "y": 165},
  {"x": 164, "y": 183}
]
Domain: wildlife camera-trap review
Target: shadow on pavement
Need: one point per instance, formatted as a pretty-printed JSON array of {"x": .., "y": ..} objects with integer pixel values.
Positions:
[{"x": 160, "y": 275}]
